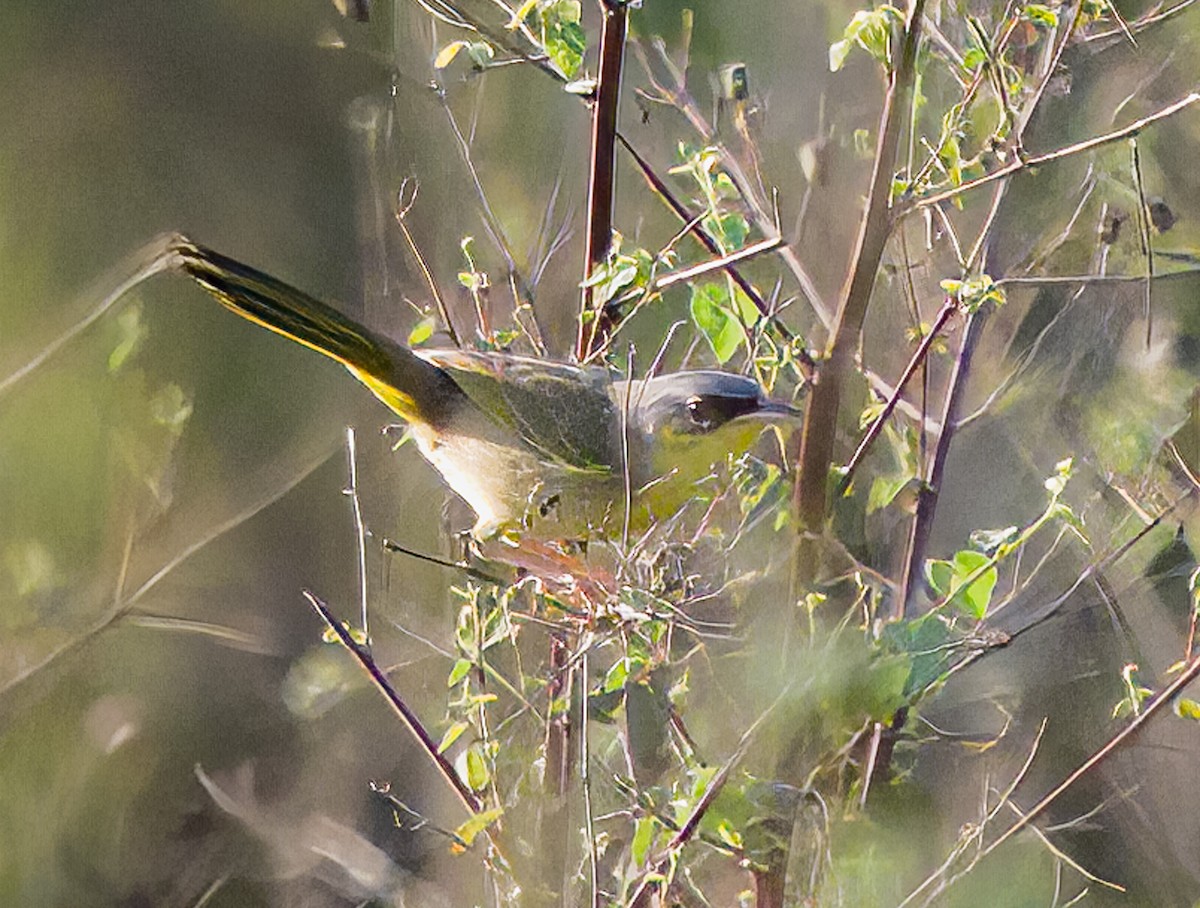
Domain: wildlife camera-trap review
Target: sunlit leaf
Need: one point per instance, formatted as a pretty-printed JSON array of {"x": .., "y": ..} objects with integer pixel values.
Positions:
[
  {"x": 447, "y": 54},
  {"x": 470, "y": 830},
  {"x": 452, "y": 734},
  {"x": 477, "y": 774},
  {"x": 644, "y": 830}
]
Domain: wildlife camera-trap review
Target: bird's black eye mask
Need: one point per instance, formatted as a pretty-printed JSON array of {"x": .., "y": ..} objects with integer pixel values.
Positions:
[{"x": 707, "y": 412}]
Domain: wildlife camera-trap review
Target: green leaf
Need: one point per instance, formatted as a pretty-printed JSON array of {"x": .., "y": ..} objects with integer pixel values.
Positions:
[
  {"x": 927, "y": 643},
  {"x": 133, "y": 331},
  {"x": 973, "y": 59},
  {"x": 422, "y": 331},
  {"x": 1041, "y": 15},
  {"x": 481, "y": 54},
  {"x": 452, "y": 734},
  {"x": 469, "y": 830},
  {"x": 447, "y": 54},
  {"x": 643, "y": 837},
  {"x": 563, "y": 36},
  {"x": 458, "y": 672},
  {"x": 712, "y": 312},
  {"x": 1187, "y": 708},
  {"x": 478, "y": 774},
  {"x": 615, "y": 678},
  {"x": 872, "y": 31},
  {"x": 973, "y": 293},
  {"x": 949, "y": 577}
]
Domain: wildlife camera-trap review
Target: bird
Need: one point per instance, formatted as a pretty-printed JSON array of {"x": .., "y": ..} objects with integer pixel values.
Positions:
[{"x": 538, "y": 449}]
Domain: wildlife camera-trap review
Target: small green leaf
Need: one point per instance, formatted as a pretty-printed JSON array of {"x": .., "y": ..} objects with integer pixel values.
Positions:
[
  {"x": 422, "y": 331},
  {"x": 452, "y": 734},
  {"x": 478, "y": 775},
  {"x": 614, "y": 678},
  {"x": 712, "y": 313},
  {"x": 1040, "y": 15},
  {"x": 643, "y": 837},
  {"x": 481, "y": 54},
  {"x": 870, "y": 30},
  {"x": 973, "y": 59},
  {"x": 447, "y": 54},
  {"x": 458, "y": 672},
  {"x": 133, "y": 331},
  {"x": 1187, "y": 708},
  {"x": 973, "y": 293},
  {"x": 470, "y": 830},
  {"x": 988, "y": 541},
  {"x": 729, "y": 835},
  {"x": 563, "y": 36},
  {"x": 948, "y": 578}
]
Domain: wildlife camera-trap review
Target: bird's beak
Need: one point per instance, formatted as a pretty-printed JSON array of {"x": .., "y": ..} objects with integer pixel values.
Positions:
[{"x": 777, "y": 411}]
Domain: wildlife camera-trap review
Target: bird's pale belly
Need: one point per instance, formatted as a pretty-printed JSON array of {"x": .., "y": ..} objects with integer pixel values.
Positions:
[{"x": 511, "y": 488}]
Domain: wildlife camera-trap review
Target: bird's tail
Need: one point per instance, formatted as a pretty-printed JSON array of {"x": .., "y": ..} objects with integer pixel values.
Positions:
[{"x": 413, "y": 388}]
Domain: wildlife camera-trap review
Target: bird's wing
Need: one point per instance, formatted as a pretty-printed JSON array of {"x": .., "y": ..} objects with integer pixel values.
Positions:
[{"x": 565, "y": 412}]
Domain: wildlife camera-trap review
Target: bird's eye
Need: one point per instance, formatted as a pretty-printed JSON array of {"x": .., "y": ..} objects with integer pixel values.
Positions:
[
  {"x": 707, "y": 412},
  {"x": 700, "y": 412}
]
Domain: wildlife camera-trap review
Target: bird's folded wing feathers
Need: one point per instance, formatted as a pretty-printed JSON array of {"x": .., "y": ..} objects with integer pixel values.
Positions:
[{"x": 565, "y": 412}]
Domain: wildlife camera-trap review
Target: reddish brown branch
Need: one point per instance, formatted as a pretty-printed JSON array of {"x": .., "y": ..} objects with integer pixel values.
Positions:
[
  {"x": 948, "y": 309},
  {"x": 602, "y": 176},
  {"x": 468, "y": 798}
]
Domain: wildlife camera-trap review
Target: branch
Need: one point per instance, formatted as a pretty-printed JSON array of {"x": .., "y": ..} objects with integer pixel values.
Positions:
[
  {"x": 468, "y": 798},
  {"x": 1067, "y": 151},
  {"x": 949, "y": 307},
  {"x": 1153, "y": 707},
  {"x": 820, "y": 424},
  {"x": 601, "y": 176}
]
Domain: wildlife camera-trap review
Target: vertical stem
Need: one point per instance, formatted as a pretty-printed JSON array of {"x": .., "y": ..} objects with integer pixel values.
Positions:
[
  {"x": 360, "y": 530},
  {"x": 928, "y": 496},
  {"x": 820, "y": 424},
  {"x": 601, "y": 176}
]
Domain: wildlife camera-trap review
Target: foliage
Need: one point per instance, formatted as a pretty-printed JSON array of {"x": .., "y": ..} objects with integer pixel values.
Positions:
[{"x": 739, "y": 704}]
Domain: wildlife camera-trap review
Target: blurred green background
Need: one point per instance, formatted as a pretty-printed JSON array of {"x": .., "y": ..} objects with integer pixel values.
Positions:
[{"x": 175, "y": 454}]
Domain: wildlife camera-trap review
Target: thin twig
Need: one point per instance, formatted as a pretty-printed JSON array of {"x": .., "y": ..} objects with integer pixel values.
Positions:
[
  {"x": 491, "y": 223},
  {"x": 360, "y": 530},
  {"x": 949, "y": 307},
  {"x": 467, "y": 797},
  {"x": 585, "y": 781},
  {"x": 406, "y": 197},
  {"x": 1147, "y": 246},
  {"x": 1058, "y": 154},
  {"x": 473, "y": 572},
  {"x": 723, "y": 263},
  {"x": 1138, "y": 25}
]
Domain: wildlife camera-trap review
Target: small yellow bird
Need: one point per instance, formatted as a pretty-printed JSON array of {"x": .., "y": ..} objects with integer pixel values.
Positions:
[{"x": 536, "y": 448}]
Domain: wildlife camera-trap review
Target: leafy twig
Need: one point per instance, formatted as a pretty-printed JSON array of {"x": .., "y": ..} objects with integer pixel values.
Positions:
[{"x": 1024, "y": 163}]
